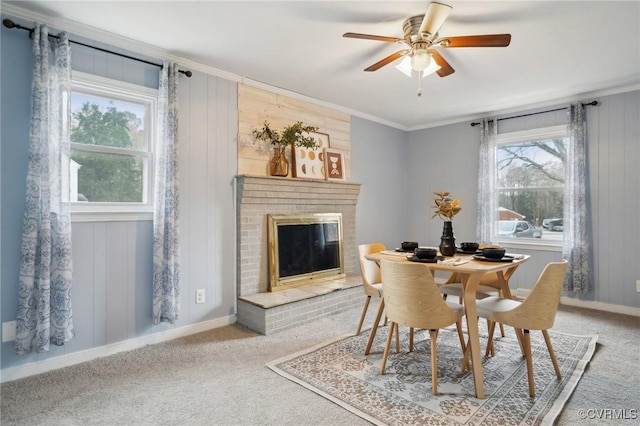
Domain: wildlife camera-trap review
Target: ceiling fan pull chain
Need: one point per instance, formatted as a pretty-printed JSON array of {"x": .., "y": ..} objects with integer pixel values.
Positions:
[{"x": 419, "y": 83}]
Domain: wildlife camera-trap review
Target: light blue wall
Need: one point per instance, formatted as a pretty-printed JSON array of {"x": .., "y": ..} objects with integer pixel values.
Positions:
[
  {"x": 442, "y": 159},
  {"x": 112, "y": 260},
  {"x": 614, "y": 155},
  {"x": 378, "y": 156},
  {"x": 15, "y": 87}
]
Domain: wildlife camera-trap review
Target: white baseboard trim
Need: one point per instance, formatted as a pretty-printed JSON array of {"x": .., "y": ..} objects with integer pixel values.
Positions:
[
  {"x": 598, "y": 306},
  {"x": 38, "y": 367}
]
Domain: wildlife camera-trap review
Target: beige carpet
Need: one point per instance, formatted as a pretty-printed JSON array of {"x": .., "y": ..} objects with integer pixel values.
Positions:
[
  {"x": 219, "y": 377},
  {"x": 340, "y": 372}
]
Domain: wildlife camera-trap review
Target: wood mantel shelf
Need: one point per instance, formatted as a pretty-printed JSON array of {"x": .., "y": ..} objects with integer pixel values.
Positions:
[{"x": 280, "y": 187}]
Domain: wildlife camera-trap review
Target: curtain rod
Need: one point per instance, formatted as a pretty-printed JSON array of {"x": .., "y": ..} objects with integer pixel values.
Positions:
[
  {"x": 592, "y": 103},
  {"x": 10, "y": 24}
]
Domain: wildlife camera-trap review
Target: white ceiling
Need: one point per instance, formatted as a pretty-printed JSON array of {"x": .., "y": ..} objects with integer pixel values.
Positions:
[{"x": 561, "y": 50}]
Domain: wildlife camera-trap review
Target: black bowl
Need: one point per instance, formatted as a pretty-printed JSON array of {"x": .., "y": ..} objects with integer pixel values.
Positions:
[
  {"x": 409, "y": 245},
  {"x": 426, "y": 252},
  {"x": 470, "y": 247},
  {"x": 493, "y": 253}
]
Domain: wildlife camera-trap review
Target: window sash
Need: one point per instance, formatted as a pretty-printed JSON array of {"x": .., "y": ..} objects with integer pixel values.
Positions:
[
  {"x": 109, "y": 150},
  {"x": 105, "y": 88},
  {"x": 531, "y": 135}
]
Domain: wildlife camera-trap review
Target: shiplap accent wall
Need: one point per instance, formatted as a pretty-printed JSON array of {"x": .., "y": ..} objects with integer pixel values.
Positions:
[{"x": 256, "y": 105}]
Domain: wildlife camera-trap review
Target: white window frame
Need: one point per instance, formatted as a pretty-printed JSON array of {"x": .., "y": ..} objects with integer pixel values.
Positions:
[
  {"x": 113, "y": 89},
  {"x": 551, "y": 132}
]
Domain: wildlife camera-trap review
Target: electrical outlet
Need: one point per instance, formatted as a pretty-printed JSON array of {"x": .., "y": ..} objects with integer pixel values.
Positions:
[
  {"x": 638, "y": 286},
  {"x": 200, "y": 295},
  {"x": 8, "y": 331}
]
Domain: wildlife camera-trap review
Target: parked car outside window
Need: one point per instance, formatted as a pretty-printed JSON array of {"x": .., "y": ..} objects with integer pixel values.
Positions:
[
  {"x": 555, "y": 224},
  {"x": 518, "y": 228}
]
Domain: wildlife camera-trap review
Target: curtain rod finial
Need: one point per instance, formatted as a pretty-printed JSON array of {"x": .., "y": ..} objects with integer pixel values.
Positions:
[{"x": 8, "y": 23}]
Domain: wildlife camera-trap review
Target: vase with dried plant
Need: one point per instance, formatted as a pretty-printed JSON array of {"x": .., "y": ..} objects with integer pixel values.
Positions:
[
  {"x": 296, "y": 134},
  {"x": 446, "y": 208}
]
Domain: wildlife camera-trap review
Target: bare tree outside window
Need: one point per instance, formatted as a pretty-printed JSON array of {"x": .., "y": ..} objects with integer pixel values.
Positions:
[{"x": 530, "y": 175}]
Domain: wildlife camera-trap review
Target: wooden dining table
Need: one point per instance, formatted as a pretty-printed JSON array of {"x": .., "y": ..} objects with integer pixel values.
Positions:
[{"x": 470, "y": 274}]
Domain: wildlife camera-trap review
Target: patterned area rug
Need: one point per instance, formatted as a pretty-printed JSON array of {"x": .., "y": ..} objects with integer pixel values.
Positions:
[{"x": 340, "y": 372}]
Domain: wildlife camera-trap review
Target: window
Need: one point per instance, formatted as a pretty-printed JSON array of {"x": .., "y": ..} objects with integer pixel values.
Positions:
[
  {"x": 112, "y": 129},
  {"x": 530, "y": 181}
]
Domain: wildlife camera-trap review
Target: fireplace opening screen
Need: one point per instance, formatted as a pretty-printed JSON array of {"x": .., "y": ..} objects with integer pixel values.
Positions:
[{"x": 304, "y": 248}]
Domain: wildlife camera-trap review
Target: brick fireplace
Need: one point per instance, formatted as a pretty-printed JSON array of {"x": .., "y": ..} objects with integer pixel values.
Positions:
[{"x": 267, "y": 312}]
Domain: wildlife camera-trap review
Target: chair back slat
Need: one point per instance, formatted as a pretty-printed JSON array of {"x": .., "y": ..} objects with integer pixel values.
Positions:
[
  {"x": 538, "y": 310},
  {"x": 369, "y": 269},
  {"x": 412, "y": 298}
]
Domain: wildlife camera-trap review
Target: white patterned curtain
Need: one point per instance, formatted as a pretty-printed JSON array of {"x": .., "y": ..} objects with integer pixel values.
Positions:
[
  {"x": 487, "y": 206},
  {"x": 576, "y": 247},
  {"x": 166, "y": 247},
  {"x": 44, "y": 291}
]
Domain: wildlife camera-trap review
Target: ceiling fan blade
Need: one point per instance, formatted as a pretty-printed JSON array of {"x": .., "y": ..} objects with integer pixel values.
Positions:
[
  {"x": 373, "y": 37},
  {"x": 489, "y": 40},
  {"x": 387, "y": 60},
  {"x": 434, "y": 18},
  {"x": 445, "y": 67}
]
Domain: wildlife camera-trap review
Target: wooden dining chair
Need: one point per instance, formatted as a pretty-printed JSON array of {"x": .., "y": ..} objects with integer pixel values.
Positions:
[
  {"x": 371, "y": 281},
  {"x": 536, "y": 312},
  {"x": 412, "y": 299}
]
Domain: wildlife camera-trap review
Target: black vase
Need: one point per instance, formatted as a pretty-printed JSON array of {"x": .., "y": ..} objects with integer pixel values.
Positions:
[{"x": 447, "y": 241}]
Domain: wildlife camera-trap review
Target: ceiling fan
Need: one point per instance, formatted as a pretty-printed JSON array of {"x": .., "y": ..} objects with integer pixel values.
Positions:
[{"x": 421, "y": 38}]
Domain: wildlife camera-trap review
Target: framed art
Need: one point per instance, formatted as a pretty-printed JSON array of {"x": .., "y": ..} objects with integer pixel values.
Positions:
[
  {"x": 334, "y": 164},
  {"x": 308, "y": 162}
]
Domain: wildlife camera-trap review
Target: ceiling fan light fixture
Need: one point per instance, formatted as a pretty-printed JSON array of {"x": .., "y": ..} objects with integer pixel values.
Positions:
[
  {"x": 405, "y": 67},
  {"x": 421, "y": 37},
  {"x": 433, "y": 67},
  {"x": 420, "y": 60}
]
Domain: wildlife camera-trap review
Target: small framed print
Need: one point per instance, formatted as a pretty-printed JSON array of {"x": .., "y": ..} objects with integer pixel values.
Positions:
[
  {"x": 334, "y": 164},
  {"x": 308, "y": 162}
]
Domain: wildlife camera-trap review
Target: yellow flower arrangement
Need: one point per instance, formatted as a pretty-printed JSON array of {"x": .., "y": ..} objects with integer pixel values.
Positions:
[{"x": 445, "y": 207}]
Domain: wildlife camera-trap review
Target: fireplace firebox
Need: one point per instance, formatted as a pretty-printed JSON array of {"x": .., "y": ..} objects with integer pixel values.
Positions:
[{"x": 304, "y": 248}]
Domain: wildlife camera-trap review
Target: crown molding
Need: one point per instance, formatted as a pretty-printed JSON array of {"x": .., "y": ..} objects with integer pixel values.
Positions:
[
  {"x": 523, "y": 108},
  {"x": 115, "y": 40}
]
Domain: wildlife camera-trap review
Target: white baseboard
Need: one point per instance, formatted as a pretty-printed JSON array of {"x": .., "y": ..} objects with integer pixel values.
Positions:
[
  {"x": 598, "y": 306},
  {"x": 38, "y": 367}
]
